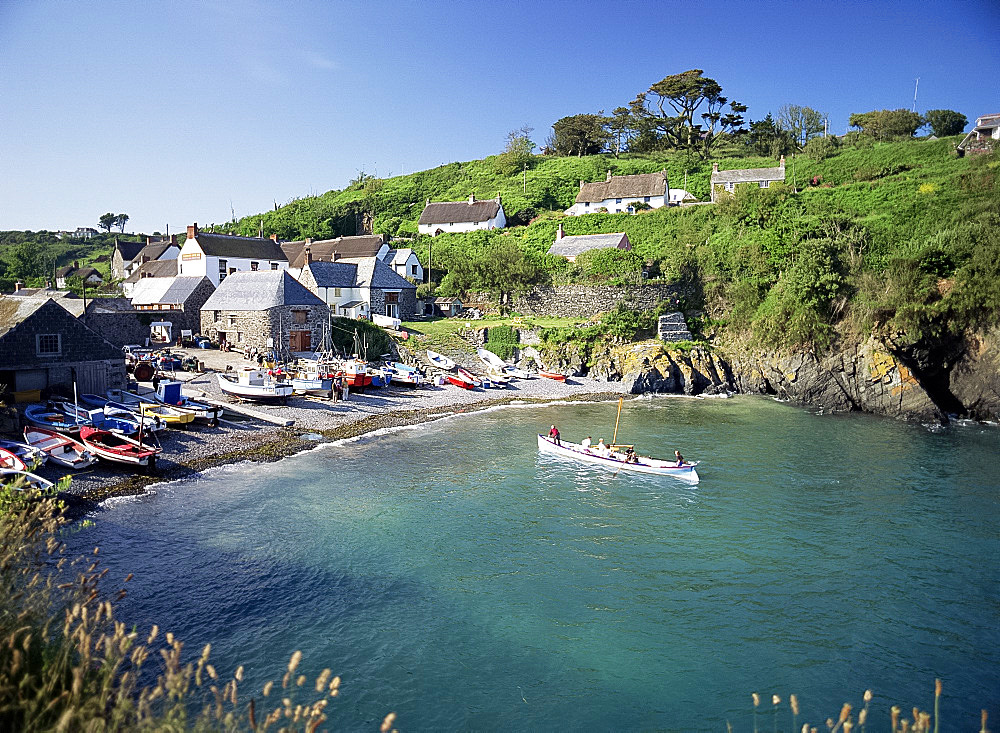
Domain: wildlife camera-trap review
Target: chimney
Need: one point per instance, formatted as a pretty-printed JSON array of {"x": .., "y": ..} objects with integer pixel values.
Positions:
[
  {"x": 472, "y": 198},
  {"x": 173, "y": 239},
  {"x": 782, "y": 163},
  {"x": 309, "y": 254},
  {"x": 559, "y": 232},
  {"x": 76, "y": 264},
  {"x": 609, "y": 175},
  {"x": 18, "y": 285},
  {"x": 581, "y": 184},
  {"x": 149, "y": 240},
  {"x": 336, "y": 256},
  {"x": 193, "y": 231},
  {"x": 274, "y": 238},
  {"x": 428, "y": 201},
  {"x": 715, "y": 167}
]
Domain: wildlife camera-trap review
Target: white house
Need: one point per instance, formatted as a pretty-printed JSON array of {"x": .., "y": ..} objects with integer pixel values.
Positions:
[
  {"x": 360, "y": 287},
  {"x": 444, "y": 217},
  {"x": 217, "y": 255},
  {"x": 89, "y": 275},
  {"x": 618, "y": 194},
  {"x": 405, "y": 263},
  {"x": 729, "y": 180},
  {"x": 981, "y": 138},
  {"x": 679, "y": 196}
]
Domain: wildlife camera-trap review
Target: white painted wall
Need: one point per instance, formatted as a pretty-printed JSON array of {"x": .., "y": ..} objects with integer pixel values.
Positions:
[
  {"x": 497, "y": 222},
  {"x": 406, "y": 268},
  {"x": 614, "y": 206},
  {"x": 208, "y": 265}
]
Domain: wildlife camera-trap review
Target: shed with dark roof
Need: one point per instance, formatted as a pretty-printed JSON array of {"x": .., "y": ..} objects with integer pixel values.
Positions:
[{"x": 571, "y": 247}]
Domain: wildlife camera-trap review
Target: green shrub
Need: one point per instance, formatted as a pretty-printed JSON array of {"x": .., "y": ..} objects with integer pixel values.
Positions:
[{"x": 502, "y": 341}]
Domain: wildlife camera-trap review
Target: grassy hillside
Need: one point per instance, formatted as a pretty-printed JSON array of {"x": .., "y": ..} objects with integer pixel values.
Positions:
[{"x": 32, "y": 257}]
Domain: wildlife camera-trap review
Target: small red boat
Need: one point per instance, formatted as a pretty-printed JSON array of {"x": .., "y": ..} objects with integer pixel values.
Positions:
[
  {"x": 11, "y": 461},
  {"x": 118, "y": 448},
  {"x": 460, "y": 381},
  {"x": 552, "y": 375}
]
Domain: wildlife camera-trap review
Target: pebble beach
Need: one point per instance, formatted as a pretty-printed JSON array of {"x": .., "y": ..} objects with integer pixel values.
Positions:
[{"x": 242, "y": 437}]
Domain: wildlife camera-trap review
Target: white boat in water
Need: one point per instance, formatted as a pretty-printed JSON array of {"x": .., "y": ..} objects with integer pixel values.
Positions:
[
  {"x": 440, "y": 360},
  {"x": 254, "y": 384},
  {"x": 616, "y": 461}
]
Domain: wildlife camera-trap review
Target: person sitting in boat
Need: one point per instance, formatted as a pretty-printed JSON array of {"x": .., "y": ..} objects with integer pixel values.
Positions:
[
  {"x": 680, "y": 458},
  {"x": 602, "y": 450},
  {"x": 585, "y": 444},
  {"x": 554, "y": 435},
  {"x": 630, "y": 456}
]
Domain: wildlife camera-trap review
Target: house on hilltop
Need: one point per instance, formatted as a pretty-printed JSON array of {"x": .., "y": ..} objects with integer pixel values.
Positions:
[
  {"x": 216, "y": 256},
  {"x": 264, "y": 309},
  {"x": 729, "y": 180},
  {"x": 89, "y": 275},
  {"x": 573, "y": 246},
  {"x": 981, "y": 138},
  {"x": 44, "y": 346},
  {"x": 619, "y": 194},
  {"x": 444, "y": 217},
  {"x": 328, "y": 250}
]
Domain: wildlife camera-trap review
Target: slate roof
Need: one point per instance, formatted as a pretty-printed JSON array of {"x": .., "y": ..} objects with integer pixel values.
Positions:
[
  {"x": 171, "y": 290},
  {"x": 257, "y": 291},
  {"x": 153, "y": 269},
  {"x": 749, "y": 175},
  {"x": 153, "y": 251},
  {"x": 129, "y": 250},
  {"x": 334, "y": 274},
  {"x": 572, "y": 246},
  {"x": 639, "y": 185},
  {"x": 397, "y": 256},
  {"x": 79, "y": 343},
  {"x": 231, "y": 245},
  {"x": 69, "y": 300},
  {"x": 83, "y": 272},
  {"x": 462, "y": 211},
  {"x": 374, "y": 273},
  {"x": 365, "y": 245}
]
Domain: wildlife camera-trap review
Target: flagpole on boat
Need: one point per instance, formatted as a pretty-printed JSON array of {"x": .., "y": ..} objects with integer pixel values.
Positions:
[{"x": 614, "y": 439}]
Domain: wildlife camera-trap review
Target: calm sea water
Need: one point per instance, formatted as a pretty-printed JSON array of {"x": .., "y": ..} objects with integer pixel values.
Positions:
[{"x": 453, "y": 575}]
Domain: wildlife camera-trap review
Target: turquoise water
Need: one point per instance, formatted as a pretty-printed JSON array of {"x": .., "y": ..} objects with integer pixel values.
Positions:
[{"x": 453, "y": 575}]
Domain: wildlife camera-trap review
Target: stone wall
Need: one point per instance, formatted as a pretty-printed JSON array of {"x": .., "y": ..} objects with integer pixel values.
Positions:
[
  {"x": 586, "y": 301},
  {"x": 252, "y": 329}
]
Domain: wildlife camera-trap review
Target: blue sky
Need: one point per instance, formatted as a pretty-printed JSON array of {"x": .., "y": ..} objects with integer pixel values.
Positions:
[{"x": 176, "y": 112}]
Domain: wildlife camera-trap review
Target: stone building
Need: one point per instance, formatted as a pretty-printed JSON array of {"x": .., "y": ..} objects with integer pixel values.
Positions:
[
  {"x": 729, "y": 180},
  {"x": 43, "y": 347},
  {"x": 360, "y": 287},
  {"x": 573, "y": 246},
  {"x": 129, "y": 256},
  {"x": 263, "y": 310}
]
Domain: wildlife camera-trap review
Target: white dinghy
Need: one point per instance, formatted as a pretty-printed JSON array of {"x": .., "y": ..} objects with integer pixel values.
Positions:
[
  {"x": 617, "y": 462},
  {"x": 440, "y": 360}
]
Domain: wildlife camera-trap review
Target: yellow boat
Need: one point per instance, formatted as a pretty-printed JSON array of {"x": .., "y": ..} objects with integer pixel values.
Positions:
[{"x": 166, "y": 414}]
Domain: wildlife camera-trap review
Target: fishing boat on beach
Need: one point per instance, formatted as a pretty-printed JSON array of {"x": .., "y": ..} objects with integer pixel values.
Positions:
[
  {"x": 26, "y": 481},
  {"x": 556, "y": 376},
  {"x": 49, "y": 416},
  {"x": 403, "y": 373},
  {"x": 440, "y": 361},
  {"x": 11, "y": 461},
  {"x": 168, "y": 392},
  {"x": 149, "y": 409},
  {"x": 496, "y": 365},
  {"x": 460, "y": 380},
  {"x": 256, "y": 385},
  {"x": 30, "y": 455},
  {"x": 99, "y": 419},
  {"x": 118, "y": 448},
  {"x": 60, "y": 448}
]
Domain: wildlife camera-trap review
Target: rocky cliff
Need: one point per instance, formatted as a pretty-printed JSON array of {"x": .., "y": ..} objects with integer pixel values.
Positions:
[{"x": 870, "y": 377}]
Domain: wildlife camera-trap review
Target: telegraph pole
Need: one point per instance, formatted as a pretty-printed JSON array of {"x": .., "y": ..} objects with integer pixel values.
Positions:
[{"x": 917, "y": 84}]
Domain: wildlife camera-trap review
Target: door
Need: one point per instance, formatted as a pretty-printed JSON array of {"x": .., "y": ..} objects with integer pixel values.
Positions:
[
  {"x": 300, "y": 341},
  {"x": 91, "y": 378}
]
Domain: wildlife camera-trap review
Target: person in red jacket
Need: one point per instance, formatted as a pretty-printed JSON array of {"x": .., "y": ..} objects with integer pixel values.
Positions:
[{"x": 554, "y": 435}]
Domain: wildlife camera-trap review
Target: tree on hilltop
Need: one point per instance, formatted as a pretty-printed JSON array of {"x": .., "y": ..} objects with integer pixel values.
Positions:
[
  {"x": 945, "y": 122},
  {"x": 107, "y": 221},
  {"x": 887, "y": 124},
  {"x": 517, "y": 153},
  {"x": 120, "y": 220},
  {"x": 583, "y": 134},
  {"x": 802, "y": 122}
]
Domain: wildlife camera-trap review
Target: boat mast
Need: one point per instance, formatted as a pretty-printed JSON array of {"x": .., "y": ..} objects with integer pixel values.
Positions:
[{"x": 614, "y": 439}]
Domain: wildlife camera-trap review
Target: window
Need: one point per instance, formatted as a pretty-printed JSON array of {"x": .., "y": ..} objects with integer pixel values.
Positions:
[
  {"x": 216, "y": 315},
  {"x": 231, "y": 321},
  {"x": 392, "y": 297},
  {"x": 299, "y": 317},
  {"x": 764, "y": 184},
  {"x": 618, "y": 201},
  {"x": 646, "y": 199},
  {"x": 413, "y": 270},
  {"x": 274, "y": 265},
  {"x": 223, "y": 269},
  {"x": 586, "y": 205},
  {"x": 48, "y": 344},
  {"x": 336, "y": 292},
  {"x": 254, "y": 266}
]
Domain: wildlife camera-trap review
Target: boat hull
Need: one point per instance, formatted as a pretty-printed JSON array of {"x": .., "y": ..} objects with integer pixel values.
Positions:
[
  {"x": 440, "y": 361},
  {"x": 555, "y": 376},
  {"x": 27, "y": 453},
  {"x": 117, "y": 449},
  {"x": 459, "y": 382},
  {"x": 28, "y": 481},
  {"x": 60, "y": 449},
  {"x": 266, "y": 392},
  {"x": 651, "y": 466}
]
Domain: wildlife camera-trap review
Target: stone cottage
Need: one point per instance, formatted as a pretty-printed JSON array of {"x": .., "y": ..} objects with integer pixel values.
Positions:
[
  {"x": 360, "y": 287},
  {"x": 43, "y": 347},
  {"x": 573, "y": 246},
  {"x": 729, "y": 180},
  {"x": 264, "y": 309}
]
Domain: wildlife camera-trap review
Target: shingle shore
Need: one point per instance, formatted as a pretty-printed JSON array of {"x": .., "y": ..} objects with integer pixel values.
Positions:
[{"x": 186, "y": 452}]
